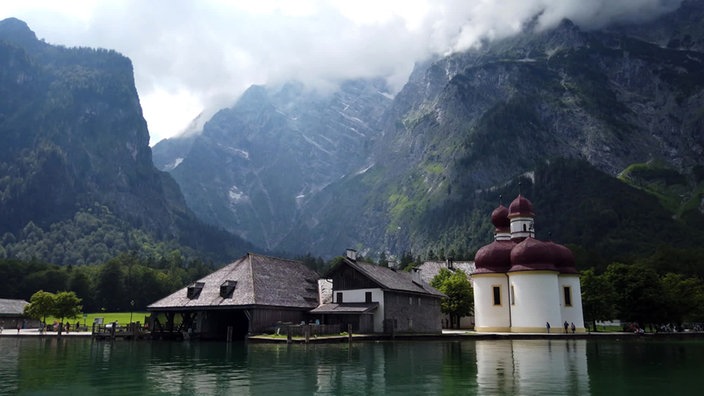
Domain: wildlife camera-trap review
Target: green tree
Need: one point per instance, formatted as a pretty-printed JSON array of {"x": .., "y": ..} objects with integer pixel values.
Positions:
[
  {"x": 683, "y": 298},
  {"x": 597, "y": 297},
  {"x": 637, "y": 293},
  {"x": 110, "y": 292},
  {"x": 41, "y": 305},
  {"x": 383, "y": 260},
  {"x": 81, "y": 285},
  {"x": 406, "y": 260},
  {"x": 458, "y": 289},
  {"x": 66, "y": 305}
]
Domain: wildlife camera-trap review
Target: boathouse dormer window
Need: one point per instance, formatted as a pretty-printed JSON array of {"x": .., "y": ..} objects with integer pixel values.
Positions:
[
  {"x": 194, "y": 290},
  {"x": 227, "y": 288}
]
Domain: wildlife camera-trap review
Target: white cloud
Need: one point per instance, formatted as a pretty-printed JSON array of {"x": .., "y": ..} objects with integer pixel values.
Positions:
[{"x": 192, "y": 56}]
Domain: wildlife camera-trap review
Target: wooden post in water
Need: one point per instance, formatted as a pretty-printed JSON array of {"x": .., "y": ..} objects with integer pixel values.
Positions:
[
  {"x": 288, "y": 334},
  {"x": 349, "y": 333},
  {"x": 229, "y": 333},
  {"x": 306, "y": 331}
]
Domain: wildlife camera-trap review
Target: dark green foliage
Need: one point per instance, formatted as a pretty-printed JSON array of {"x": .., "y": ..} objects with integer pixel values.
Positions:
[
  {"x": 597, "y": 298},
  {"x": 637, "y": 292},
  {"x": 110, "y": 289},
  {"x": 317, "y": 264},
  {"x": 112, "y": 285},
  {"x": 683, "y": 298},
  {"x": 579, "y": 205}
]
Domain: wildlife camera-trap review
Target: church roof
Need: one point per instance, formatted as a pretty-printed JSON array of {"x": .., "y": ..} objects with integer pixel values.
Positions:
[
  {"x": 499, "y": 218},
  {"x": 520, "y": 206},
  {"x": 532, "y": 255},
  {"x": 563, "y": 258},
  {"x": 494, "y": 257}
]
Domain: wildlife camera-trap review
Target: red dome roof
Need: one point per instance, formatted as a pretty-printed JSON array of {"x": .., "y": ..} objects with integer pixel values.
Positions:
[
  {"x": 520, "y": 206},
  {"x": 563, "y": 257},
  {"x": 531, "y": 255},
  {"x": 499, "y": 218},
  {"x": 494, "y": 257}
]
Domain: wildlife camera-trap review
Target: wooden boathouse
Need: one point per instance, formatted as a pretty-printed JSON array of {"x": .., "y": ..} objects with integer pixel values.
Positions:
[{"x": 250, "y": 295}]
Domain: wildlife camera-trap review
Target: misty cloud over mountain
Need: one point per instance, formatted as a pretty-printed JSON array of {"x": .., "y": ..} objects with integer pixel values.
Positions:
[{"x": 191, "y": 57}]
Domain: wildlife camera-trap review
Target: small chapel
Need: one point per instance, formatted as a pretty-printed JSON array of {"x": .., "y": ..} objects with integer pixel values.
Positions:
[{"x": 522, "y": 284}]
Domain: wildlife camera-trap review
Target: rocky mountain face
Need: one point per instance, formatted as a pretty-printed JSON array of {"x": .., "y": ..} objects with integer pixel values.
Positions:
[
  {"x": 258, "y": 163},
  {"x": 462, "y": 131},
  {"x": 77, "y": 182}
]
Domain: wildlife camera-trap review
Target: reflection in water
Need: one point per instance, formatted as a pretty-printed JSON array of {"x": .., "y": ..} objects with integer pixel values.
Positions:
[
  {"x": 531, "y": 367},
  {"x": 641, "y": 365},
  {"x": 389, "y": 368}
]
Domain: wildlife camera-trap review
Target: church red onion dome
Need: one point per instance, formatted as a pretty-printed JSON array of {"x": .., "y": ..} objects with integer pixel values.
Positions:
[
  {"x": 532, "y": 255},
  {"x": 520, "y": 207},
  {"x": 494, "y": 257},
  {"x": 563, "y": 258},
  {"x": 499, "y": 218}
]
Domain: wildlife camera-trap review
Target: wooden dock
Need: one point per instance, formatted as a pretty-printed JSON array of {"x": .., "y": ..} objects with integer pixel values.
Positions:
[{"x": 111, "y": 331}]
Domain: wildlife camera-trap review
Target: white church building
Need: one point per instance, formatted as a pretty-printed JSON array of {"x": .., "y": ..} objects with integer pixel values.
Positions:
[{"x": 522, "y": 284}]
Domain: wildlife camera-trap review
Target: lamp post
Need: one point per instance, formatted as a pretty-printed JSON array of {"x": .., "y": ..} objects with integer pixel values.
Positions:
[{"x": 131, "y": 309}]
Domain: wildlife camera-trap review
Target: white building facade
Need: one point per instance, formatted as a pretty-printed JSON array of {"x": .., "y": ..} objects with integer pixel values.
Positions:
[{"x": 522, "y": 284}]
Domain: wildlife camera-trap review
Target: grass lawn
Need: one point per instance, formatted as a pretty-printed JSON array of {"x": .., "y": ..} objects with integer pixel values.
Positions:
[{"x": 122, "y": 318}]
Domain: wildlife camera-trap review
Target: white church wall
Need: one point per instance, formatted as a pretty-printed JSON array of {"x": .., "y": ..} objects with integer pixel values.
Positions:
[
  {"x": 535, "y": 302},
  {"x": 488, "y": 315},
  {"x": 572, "y": 313}
]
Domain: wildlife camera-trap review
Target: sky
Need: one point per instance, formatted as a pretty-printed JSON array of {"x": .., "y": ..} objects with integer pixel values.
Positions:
[{"x": 194, "y": 57}]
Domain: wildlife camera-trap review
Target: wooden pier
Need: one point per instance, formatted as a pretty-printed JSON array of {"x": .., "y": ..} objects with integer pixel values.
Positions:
[{"x": 111, "y": 331}]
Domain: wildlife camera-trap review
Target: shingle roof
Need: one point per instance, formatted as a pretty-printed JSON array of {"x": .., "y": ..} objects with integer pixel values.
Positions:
[
  {"x": 429, "y": 269},
  {"x": 393, "y": 280},
  {"x": 261, "y": 281},
  {"x": 12, "y": 307}
]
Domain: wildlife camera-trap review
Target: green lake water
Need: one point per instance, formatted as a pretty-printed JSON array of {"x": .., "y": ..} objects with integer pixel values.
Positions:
[{"x": 633, "y": 366}]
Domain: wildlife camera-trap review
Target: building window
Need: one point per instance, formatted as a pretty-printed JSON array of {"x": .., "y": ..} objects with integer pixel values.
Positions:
[
  {"x": 410, "y": 300},
  {"x": 339, "y": 297},
  {"x": 368, "y": 297},
  {"x": 419, "y": 301},
  {"x": 513, "y": 295},
  {"x": 568, "y": 296},
  {"x": 194, "y": 290},
  {"x": 227, "y": 288},
  {"x": 497, "y": 295}
]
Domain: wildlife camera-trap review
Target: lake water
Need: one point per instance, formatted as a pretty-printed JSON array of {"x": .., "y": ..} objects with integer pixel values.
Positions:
[{"x": 633, "y": 366}]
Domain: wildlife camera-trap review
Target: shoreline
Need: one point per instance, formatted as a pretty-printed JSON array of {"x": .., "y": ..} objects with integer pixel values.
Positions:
[
  {"x": 471, "y": 335},
  {"x": 446, "y": 335}
]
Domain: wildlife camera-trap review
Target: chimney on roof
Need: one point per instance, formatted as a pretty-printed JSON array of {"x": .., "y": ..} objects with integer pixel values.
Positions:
[
  {"x": 415, "y": 276},
  {"x": 351, "y": 254}
]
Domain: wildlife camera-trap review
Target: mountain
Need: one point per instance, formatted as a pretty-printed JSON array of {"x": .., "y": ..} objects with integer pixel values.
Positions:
[
  {"x": 256, "y": 164},
  {"x": 77, "y": 182},
  {"x": 467, "y": 126}
]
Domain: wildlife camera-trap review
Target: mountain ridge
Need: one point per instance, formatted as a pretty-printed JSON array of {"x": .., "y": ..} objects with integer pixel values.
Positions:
[
  {"x": 75, "y": 139},
  {"x": 477, "y": 120}
]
